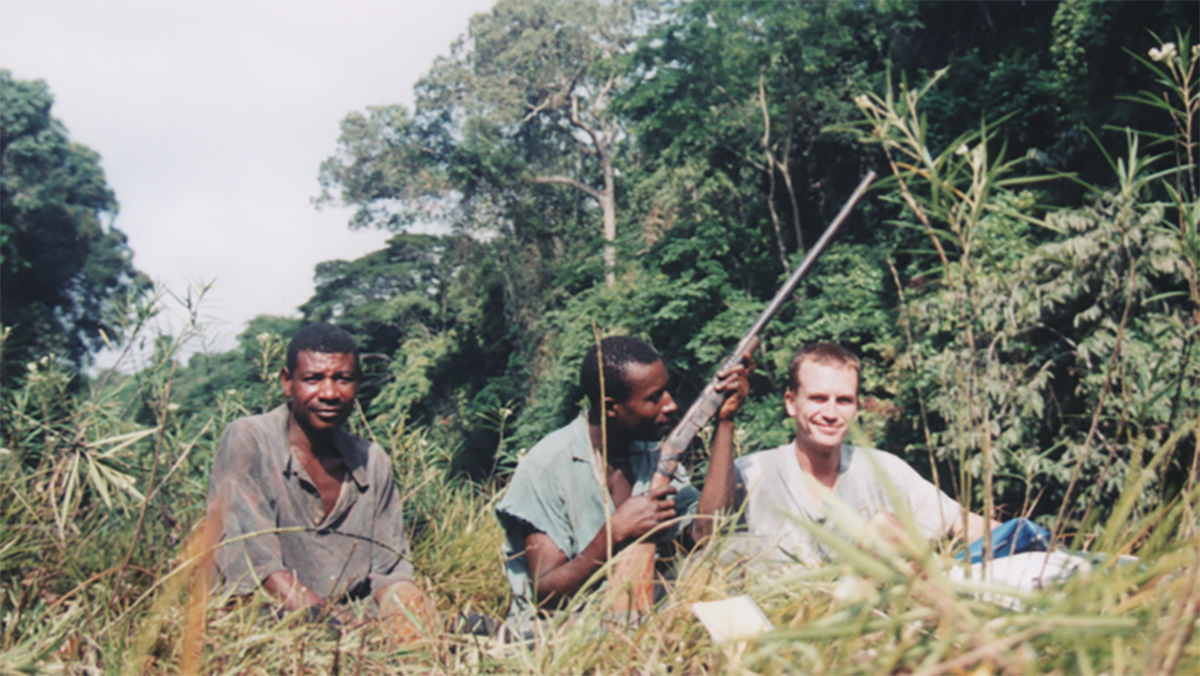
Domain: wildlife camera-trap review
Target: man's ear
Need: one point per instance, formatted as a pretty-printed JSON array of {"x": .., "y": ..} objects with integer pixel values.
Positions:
[
  {"x": 285, "y": 380},
  {"x": 609, "y": 406},
  {"x": 789, "y": 402}
]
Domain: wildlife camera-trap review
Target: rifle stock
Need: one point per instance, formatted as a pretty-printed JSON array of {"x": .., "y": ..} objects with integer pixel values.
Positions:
[{"x": 631, "y": 582}]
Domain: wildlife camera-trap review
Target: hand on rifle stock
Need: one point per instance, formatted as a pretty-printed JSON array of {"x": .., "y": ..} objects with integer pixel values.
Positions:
[{"x": 640, "y": 514}]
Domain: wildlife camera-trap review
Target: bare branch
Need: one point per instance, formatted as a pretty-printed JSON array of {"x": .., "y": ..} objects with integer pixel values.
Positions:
[
  {"x": 542, "y": 106},
  {"x": 771, "y": 165},
  {"x": 608, "y": 85},
  {"x": 567, "y": 180},
  {"x": 597, "y": 141}
]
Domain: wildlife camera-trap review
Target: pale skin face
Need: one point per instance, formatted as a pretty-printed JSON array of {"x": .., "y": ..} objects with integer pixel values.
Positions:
[{"x": 823, "y": 406}]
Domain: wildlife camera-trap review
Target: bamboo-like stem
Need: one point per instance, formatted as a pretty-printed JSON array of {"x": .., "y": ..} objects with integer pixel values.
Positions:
[{"x": 1099, "y": 409}]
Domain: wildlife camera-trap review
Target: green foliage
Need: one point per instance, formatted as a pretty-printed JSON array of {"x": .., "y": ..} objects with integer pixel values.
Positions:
[
  {"x": 736, "y": 153},
  {"x": 99, "y": 551},
  {"x": 520, "y": 108},
  {"x": 731, "y": 112},
  {"x": 1041, "y": 360},
  {"x": 61, "y": 269},
  {"x": 387, "y": 168},
  {"x": 514, "y": 145},
  {"x": 394, "y": 298}
]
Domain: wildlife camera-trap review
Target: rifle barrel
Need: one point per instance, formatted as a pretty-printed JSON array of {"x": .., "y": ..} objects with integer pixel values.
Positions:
[
  {"x": 810, "y": 258},
  {"x": 709, "y": 401}
]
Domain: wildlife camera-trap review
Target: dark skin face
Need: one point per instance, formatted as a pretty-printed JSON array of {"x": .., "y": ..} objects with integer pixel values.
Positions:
[
  {"x": 648, "y": 413},
  {"x": 321, "y": 390}
]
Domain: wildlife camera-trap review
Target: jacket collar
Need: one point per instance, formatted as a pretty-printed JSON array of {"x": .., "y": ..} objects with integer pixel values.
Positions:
[{"x": 346, "y": 444}]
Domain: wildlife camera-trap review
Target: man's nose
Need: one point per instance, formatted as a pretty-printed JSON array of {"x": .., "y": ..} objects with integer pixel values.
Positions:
[
  {"x": 669, "y": 405},
  {"x": 327, "y": 390},
  {"x": 829, "y": 409}
]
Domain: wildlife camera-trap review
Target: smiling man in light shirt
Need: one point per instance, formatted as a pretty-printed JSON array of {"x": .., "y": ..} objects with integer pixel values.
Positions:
[{"x": 795, "y": 483}]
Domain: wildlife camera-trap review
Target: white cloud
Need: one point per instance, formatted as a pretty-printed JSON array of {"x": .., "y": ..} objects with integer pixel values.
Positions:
[{"x": 212, "y": 117}]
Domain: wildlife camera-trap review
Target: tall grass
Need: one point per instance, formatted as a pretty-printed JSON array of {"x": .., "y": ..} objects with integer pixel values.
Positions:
[{"x": 95, "y": 584}]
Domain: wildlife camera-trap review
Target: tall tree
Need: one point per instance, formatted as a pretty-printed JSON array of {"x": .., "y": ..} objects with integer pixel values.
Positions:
[
  {"x": 61, "y": 267},
  {"x": 526, "y": 95}
]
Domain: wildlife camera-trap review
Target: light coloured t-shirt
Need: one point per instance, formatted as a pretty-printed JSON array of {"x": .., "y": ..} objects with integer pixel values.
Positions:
[
  {"x": 778, "y": 495},
  {"x": 558, "y": 489},
  {"x": 258, "y": 487}
]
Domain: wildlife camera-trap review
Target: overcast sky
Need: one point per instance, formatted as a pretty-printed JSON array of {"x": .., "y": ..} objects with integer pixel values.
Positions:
[{"x": 211, "y": 118}]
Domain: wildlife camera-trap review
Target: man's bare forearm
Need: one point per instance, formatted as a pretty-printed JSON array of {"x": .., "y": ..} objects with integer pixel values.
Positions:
[
  {"x": 717, "y": 495},
  {"x": 556, "y": 576},
  {"x": 557, "y": 583}
]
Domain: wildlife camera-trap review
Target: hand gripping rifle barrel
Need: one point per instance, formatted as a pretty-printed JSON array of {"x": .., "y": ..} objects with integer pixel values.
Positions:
[{"x": 710, "y": 400}]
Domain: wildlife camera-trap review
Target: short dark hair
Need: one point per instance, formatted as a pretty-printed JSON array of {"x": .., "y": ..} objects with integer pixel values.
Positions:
[
  {"x": 830, "y": 354},
  {"x": 321, "y": 337},
  {"x": 617, "y": 352}
]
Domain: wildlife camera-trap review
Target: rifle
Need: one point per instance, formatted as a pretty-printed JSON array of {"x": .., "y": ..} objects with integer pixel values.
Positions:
[{"x": 631, "y": 585}]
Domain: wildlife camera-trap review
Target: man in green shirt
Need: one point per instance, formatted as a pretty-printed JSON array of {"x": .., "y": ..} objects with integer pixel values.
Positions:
[{"x": 580, "y": 494}]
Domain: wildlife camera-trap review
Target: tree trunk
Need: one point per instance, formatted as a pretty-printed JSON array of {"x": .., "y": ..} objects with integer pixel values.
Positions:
[{"x": 608, "y": 208}]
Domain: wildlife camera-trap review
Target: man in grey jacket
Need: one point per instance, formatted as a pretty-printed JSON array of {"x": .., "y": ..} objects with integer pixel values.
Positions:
[{"x": 307, "y": 510}]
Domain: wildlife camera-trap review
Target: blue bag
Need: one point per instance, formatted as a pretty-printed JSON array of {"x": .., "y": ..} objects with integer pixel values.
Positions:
[{"x": 1011, "y": 537}]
